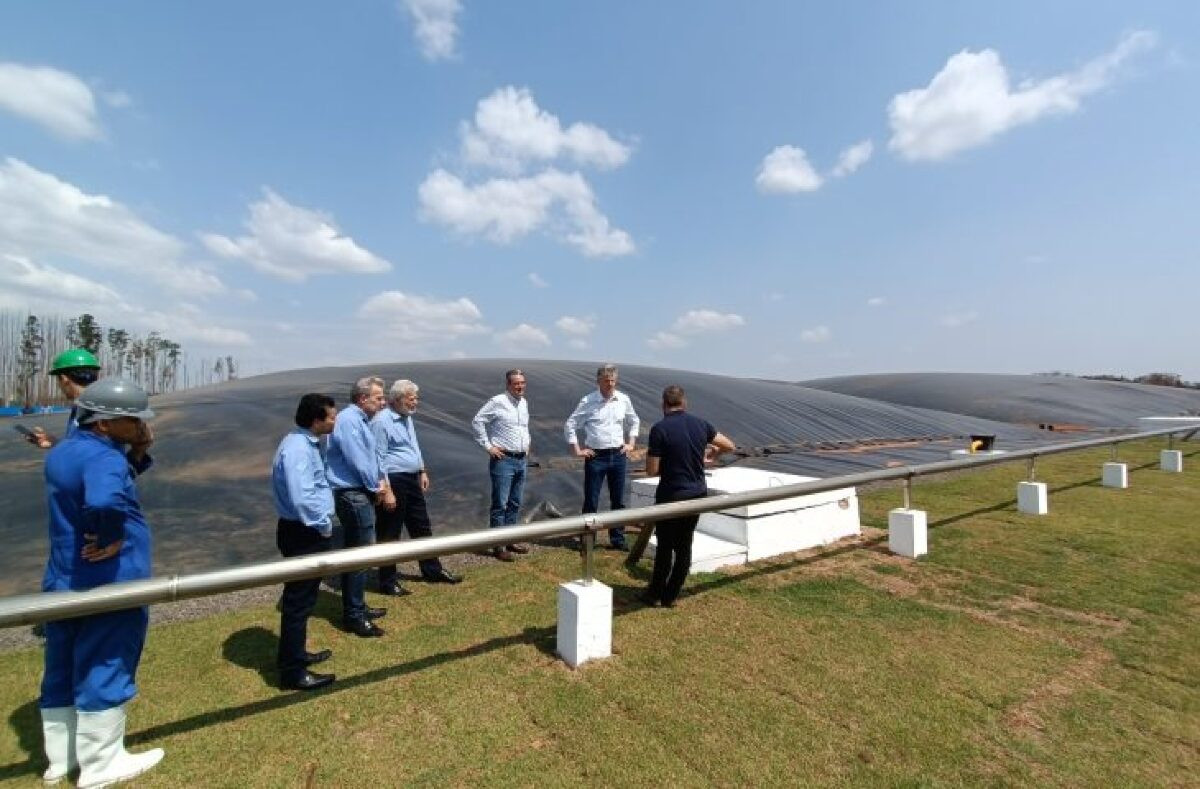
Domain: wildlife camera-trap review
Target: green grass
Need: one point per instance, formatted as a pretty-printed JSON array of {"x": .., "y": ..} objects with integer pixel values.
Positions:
[{"x": 1058, "y": 650}]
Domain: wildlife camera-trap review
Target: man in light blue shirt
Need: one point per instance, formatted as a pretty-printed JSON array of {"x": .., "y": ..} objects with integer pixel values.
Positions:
[
  {"x": 304, "y": 503},
  {"x": 358, "y": 485},
  {"x": 610, "y": 427},
  {"x": 401, "y": 460},
  {"x": 502, "y": 428}
]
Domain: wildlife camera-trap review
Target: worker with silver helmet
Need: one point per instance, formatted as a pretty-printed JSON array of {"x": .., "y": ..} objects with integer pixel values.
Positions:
[{"x": 97, "y": 536}]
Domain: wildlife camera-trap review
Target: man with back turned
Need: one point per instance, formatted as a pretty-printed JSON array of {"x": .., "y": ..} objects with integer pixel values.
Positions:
[{"x": 680, "y": 444}]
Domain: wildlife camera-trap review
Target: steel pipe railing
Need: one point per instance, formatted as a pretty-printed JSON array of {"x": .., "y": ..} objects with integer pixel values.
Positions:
[{"x": 46, "y": 606}]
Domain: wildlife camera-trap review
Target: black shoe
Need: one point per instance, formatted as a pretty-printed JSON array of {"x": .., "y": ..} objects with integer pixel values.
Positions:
[
  {"x": 394, "y": 589},
  {"x": 649, "y": 599},
  {"x": 374, "y": 613},
  {"x": 313, "y": 658},
  {"x": 443, "y": 577},
  {"x": 503, "y": 555},
  {"x": 307, "y": 681},
  {"x": 364, "y": 628},
  {"x": 518, "y": 548}
]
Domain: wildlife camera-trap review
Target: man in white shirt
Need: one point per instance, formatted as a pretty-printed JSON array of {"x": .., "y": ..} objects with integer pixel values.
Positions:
[
  {"x": 610, "y": 427},
  {"x": 502, "y": 428}
]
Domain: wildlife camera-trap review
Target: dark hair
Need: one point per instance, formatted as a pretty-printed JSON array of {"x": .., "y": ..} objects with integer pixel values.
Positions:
[
  {"x": 673, "y": 396},
  {"x": 84, "y": 376},
  {"x": 508, "y": 376},
  {"x": 313, "y": 407}
]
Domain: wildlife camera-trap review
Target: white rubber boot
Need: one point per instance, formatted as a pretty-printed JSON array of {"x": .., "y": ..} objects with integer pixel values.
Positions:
[
  {"x": 58, "y": 734},
  {"x": 100, "y": 746}
]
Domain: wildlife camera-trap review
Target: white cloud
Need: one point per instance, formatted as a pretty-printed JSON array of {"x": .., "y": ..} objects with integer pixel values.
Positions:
[
  {"x": 292, "y": 243},
  {"x": 853, "y": 158},
  {"x": 181, "y": 324},
  {"x": 510, "y": 131},
  {"x": 537, "y": 281},
  {"x": 505, "y": 209},
  {"x": 512, "y": 134},
  {"x": 876, "y": 301},
  {"x": 956, "y": 319},
  {"x": 786, "y": 170},
  {"x": 579, "y": 327},
  {"x": 523, "y": 337},
  {"x": 118, "y": 99},
  {"x": 692, "y": 323},
  {"x": 54, "y": 99},
  {"x": 420, "y": 320},
  {"x": 435, "y": 24},
  {"x": 970, "y": 101},
  {"x": 663, "y": 340},
  {"x": 578, "y": 344},
  {"x": 20, "y": 274},
  {"x": 706, "y": 321},
  {"x": 816, "y": 334},
  {"x": 44, "y": 217}
]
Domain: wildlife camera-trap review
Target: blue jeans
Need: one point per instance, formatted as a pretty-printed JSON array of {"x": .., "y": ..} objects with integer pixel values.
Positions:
[
  {"x": 508, "y": 482},
  {"x": 356, "y": 515},
  {"x": 606, "y": 465}
]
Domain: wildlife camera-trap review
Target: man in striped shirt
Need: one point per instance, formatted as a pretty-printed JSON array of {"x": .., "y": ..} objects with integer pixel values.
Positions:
[{"x": 502, "y": 428}]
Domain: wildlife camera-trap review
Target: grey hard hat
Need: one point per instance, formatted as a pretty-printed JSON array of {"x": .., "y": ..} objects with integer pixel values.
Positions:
[{"x": 111, "y": 398}]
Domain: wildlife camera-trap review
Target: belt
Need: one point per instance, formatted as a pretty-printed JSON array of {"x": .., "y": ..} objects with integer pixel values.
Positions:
[
  {"x": 606, "y": 450},
  {"x": 517, "y": 455}
]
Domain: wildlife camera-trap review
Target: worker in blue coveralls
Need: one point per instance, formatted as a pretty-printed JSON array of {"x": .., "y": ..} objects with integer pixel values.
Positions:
[
  {"x": 97, "y": 536},
  {"x": 73, "y": 370}
]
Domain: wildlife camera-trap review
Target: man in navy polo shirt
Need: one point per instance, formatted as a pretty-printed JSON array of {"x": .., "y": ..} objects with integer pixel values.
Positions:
[{"x": 680, "y": 445}]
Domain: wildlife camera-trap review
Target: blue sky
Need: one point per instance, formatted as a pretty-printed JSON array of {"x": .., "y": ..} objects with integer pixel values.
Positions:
[{"x": 771, "y": 189}]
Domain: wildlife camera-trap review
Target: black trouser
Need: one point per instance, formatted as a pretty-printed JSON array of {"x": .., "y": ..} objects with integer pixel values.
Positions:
[
  {"x": 299, "y": 597},
  {"x": 672, "y": 557},
  {"x": 410, "y": 514}
]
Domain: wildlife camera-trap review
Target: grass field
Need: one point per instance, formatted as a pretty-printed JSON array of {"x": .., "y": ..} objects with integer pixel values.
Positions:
[{"x": 1061, "y": 650}]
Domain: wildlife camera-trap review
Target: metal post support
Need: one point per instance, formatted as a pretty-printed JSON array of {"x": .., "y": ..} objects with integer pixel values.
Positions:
[
  {"x": 1032, "y": 468},
  {"x": 1170, "y": 440},
  {"x": 908, "y": 492},
  {"x": 589, "y": 550},
  {"x": 1114, "y": 452}
]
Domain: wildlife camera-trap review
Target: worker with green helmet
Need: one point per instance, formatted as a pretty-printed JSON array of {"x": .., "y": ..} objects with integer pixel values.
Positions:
[{"x": 75, "y": 369}]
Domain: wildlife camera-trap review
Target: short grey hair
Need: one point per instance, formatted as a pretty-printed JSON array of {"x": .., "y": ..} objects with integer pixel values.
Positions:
[
  {"x": 402, "y": 387},
  {"x": 606, "y": 369},
  {"x": 362, "y": 387}
]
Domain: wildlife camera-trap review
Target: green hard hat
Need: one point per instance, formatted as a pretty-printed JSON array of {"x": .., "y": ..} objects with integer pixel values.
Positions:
[
  {"x": 110, "y": 398},
  {"x": 74, "y": 359}
]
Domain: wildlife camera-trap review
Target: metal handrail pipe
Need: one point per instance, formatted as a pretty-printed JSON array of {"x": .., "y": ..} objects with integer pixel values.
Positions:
[{"x": 27, "y": 609}]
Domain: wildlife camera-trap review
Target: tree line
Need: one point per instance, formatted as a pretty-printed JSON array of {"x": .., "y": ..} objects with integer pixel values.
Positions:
[
  {"x": 1174, "y": 380},
  {"x": 29, "y": 343}
]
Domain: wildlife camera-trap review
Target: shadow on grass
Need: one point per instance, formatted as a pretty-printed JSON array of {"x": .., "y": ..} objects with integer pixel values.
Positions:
[
  {"x": 541, "y": 638},
  {"x": 26, "y": 723},
  {"x": 248, "y": 647}
]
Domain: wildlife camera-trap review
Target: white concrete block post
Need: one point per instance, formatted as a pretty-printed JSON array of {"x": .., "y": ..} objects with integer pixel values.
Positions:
[
  {"x": 584, "y": 622},
  {"x": 1031, "y": 498},
  {"x": 907, "y": 532},
  {"x": 1171, "y": 460},
  {"x": 1115, "y": 475}
]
